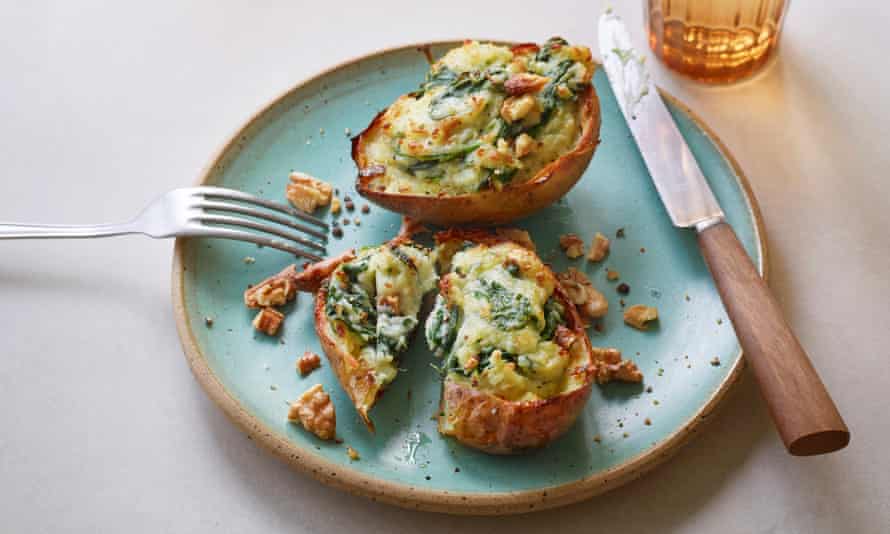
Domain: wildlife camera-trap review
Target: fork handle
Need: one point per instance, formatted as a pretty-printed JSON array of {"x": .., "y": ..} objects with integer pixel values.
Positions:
[
  {"x": 805, "y": 415},
  {"x": 45, "y": 231}
]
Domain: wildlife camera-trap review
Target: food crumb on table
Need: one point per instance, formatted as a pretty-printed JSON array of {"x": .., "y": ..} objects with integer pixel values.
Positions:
[
  {"x": 352, "y": 453},
  {"x": 612, "y": 275},
  {"x": 208, "y": 322},
  {"x": 249, "y": 260},
  {"x": 715, "y": 361}
]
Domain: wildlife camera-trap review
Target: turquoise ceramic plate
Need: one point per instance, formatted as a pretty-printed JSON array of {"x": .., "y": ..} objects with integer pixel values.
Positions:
[{"x": 624, "y": 430}]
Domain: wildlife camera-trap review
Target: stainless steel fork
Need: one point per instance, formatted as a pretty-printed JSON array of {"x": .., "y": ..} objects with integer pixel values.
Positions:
[{"x": 201, "y": 212}]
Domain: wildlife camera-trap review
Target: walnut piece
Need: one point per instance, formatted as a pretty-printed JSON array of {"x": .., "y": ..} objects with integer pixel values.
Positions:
[
  {"x": 609, "y": 366},
  {"x": 268, "y": 321},
  {"x": 308, "y": 362},
  {"x": 525, "y": 144},
  {"x": 590, "y": 302},
  {"x": 598, "y": 248},
  {"x": 525, "y": 82},
  {"x": 307, "y": 193},
  {"x": 335, "y": 206},
  {"x": 276, "y": 290},
  {"x": 520, "y": 237},
  {"x": 639, "y": 316},
  {"x": 572, "y": 245},
  {"x": 315, "y": 411},
  {"x": 516, "y": 108}
]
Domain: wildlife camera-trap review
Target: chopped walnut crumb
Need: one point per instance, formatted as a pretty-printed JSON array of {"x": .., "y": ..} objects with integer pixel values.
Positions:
[
  {"x": 335, "y": 206},
  {"x": 308, "y": 362},
  {"x": 307, "y": 193},
  {"x": 715, "y": 361},
  {"x": 520, "y": 237},
  {"x": 249, "y": 260},
  {"x": 352, "y": 453},
  {"x": 590, "y": 302},
  {"x": 268, "y": 321},
  {"x": 525, "y": 82},
  {"x": 208, "y": 321},
  {"x": 608, "y": 366},
  {"x": 525, "y": 144},
  {"x": 275, "y": 290},
  {"x": 572, "y": 245},
  {"x": 515, "y": 108},
  {"x": 366, "y": 209},
  {"x": 599, "y": 248},
  {"x": 639, "y": 316},
  {"x": 612, "y": 275},
  {"x": 315, "y": 411}
]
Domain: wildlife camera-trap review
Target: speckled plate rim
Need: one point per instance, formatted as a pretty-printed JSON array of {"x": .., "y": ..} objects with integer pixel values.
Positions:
[{"x": 405, "y": 495}]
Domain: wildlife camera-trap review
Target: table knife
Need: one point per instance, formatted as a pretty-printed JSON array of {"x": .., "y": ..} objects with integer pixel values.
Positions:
[{"x": 805, "y": 415}]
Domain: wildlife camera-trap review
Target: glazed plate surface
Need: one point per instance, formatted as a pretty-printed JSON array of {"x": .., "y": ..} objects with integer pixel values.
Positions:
[{"x": 690, "y": 359}]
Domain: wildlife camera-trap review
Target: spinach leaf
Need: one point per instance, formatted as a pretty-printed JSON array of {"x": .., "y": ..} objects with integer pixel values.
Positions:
[
  {"x": 548, "y": 98},
  {"x": 510, "y": 311},
  {"x": 393, "y": 332},
  {"x": 546, "y": 51},
  {"x": 355, "y": 268},
  {"x": 352, "y": 305},
  {"x": 553, "y": 317},
  {"x": 442, "y": 326},
  {"x": 464, "y": 84}
]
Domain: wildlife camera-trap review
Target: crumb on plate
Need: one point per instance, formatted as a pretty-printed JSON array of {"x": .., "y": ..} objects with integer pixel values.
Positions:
[
  {"x": 639, "y": 316},
  {"x": 590, "y": 302},
  {"x": 599, "y": 248},
  {"x": 307, "y": 193},
  {"x": 268, "y": 321},
  {"x": 572, "y": 245},
  {"x": 308, "y": 362},
  {"x": 609, "y": 365},
  {"x": 315, "y": 412}
]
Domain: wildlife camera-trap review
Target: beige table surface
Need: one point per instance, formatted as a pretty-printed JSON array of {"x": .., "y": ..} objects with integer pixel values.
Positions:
[{"x": 104, "y": 104}]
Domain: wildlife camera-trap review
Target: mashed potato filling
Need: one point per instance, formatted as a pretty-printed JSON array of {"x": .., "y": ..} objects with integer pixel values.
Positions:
[
  {"x": 373, "y": 301},
  {"x": 485, "y": 117},
  {"x": 495, "y": 320}
]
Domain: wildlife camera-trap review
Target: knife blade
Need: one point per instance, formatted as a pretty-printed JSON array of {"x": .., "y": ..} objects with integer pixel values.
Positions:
[
  {"x": 804, "y": 413},
  {"x": 678, "y": 179}
]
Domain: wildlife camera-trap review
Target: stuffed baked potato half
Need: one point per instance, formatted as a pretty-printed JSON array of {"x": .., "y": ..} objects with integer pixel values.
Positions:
[
  {"x": 366, "y": 307},
  {"x": 493, "y": 134},
  {"x": 517, "y": 363}
]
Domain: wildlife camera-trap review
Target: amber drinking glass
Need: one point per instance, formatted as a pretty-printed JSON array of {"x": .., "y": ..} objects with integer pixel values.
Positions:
[{"x": 715, "y": 41}]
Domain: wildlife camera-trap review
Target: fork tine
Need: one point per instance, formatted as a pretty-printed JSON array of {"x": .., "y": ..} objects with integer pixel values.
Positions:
[
  {"x": 236, "y": 221},
  {"x": 238, "y": 235},
  {"x": 236, "y": 208},
  {"x": 231, "y": 194}
]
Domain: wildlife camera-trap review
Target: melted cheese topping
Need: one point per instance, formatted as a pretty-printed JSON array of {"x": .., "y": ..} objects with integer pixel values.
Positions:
[
  {"x": 453, "y": 136},
  {"x": 377, "y": 297},
  {"x": 496, "y": 299}
]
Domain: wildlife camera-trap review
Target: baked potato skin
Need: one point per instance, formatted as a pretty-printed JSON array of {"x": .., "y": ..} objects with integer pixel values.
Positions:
[
  {"x": 498, "y": 426},
  {"x": 357, "y": 379},
  {"x": 487, "y": 207},
  {"x": 354, "y": 375}
]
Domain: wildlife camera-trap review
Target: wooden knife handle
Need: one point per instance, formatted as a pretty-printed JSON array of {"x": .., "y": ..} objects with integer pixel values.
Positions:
[{"x": 801, "y": 407}]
